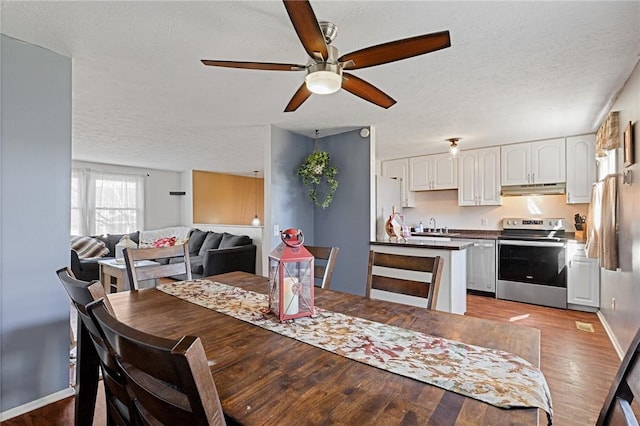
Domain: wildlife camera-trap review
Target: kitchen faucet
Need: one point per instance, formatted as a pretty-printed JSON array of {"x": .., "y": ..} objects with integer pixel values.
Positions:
[{"x": 433, "y": 229}]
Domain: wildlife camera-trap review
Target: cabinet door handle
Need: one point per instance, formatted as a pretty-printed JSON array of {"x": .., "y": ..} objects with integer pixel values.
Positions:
[
  {"x": 528, "y": 177},
  {"x": 533, "y": 178}
]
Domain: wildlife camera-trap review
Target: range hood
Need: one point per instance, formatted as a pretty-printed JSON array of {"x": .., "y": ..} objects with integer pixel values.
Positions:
[{"x": 534, "y": 189}]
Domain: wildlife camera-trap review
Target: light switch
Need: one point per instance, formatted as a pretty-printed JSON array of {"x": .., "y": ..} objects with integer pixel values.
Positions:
[{"x": 276, "y": 230}]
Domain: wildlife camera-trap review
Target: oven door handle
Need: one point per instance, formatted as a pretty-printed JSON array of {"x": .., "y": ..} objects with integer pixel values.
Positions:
[{"x": 531, "y": 243}]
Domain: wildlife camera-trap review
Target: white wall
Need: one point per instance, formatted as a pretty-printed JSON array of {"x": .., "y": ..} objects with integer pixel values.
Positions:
[
  {"x": 443, "y": 206},
  {"x": 161, "y": 210},
  {"x": 623, "y": 285}
]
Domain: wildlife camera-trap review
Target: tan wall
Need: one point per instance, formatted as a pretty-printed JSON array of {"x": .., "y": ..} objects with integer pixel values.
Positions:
[{"x": 226, "y": 199}]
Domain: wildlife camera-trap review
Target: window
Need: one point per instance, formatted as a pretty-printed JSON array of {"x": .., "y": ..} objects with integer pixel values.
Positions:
[
  {"x": 607, "y": 165},
  {"x": 104, "y": 203}
]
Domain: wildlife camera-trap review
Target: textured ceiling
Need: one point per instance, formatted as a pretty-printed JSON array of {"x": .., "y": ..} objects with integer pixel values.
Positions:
[{"x": 516, "y": 71}]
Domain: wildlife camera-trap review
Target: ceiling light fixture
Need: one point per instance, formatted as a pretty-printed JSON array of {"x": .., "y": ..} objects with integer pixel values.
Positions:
[
  {"x": 256, "y": 220},
  {"x": 453, "y": 148},
  {"x": 323, "y": 78}
]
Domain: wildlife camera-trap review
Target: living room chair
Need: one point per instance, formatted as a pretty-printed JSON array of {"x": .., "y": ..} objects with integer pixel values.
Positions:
[
  {"x": 625, "y": 387},
  {"x": 92, "y": 354},
  {"x": 403, "y": 275},
  {"x": 169, "y": 379},
  {"x": 323, "y": 270},
  {"x": 171, "y": 261}
]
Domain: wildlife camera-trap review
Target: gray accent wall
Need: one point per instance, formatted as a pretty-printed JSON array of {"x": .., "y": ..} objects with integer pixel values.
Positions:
[
  {"x": 346, "y": 222},
  {"x": 35, "y": 176},
  {"x": 288, "y": 204}
]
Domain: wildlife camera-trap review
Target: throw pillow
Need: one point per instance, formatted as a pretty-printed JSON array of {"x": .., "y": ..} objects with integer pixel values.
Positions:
[
  {"x": 195, "y": 241},
  {"x": 87, "y": 247},
  {"x": 230, "y": 240},
  {"x": 164, "y": 242},
  {"x": 211, "y": 241}
]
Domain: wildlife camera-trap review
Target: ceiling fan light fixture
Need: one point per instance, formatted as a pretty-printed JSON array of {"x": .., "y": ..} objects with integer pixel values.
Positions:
[{"x": 323, "y": 78}]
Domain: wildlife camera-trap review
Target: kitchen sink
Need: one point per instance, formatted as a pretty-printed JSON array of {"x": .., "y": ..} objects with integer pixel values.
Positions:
[{"x": 434, "y": 234}]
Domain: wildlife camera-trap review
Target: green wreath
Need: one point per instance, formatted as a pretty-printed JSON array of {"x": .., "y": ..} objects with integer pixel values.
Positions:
[{"x": 316, "y": 168}]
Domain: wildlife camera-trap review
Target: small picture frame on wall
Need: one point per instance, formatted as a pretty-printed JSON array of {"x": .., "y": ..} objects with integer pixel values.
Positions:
[{"x": 628, "y": 145}]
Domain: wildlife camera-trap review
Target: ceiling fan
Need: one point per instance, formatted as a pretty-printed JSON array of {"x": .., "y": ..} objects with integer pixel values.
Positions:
[{"x": 325, "y": 70}]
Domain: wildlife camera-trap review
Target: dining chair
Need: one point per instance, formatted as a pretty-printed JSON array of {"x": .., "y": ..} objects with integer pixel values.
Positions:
[
  {"x": 169, "y": 261},
  {"x": 93, "y": 354},
  {"x": 405, "y": 275},
  {"x": 169, "y": 379},
  {"x": 323, "y": 270},
  {"x": 625, "y": 387}
]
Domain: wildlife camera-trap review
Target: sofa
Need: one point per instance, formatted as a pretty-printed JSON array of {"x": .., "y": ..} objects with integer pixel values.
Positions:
[
  {"x": 87, "y": 251},
  {"x": 210, "y": 253},
  {"x": 213, "y": 253}
]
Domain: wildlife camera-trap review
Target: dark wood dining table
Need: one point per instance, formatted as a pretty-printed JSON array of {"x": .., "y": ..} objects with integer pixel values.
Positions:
[{"x": 265, "y": 378}]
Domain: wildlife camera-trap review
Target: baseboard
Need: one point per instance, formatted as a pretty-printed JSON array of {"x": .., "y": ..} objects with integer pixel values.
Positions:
[
  {"x": 612, "y": 337},
  {"x": 38, "y": 403}
]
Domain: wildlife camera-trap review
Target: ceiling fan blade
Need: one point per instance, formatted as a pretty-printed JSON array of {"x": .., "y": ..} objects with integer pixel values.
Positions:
[
  {"x": 366, "y": 91},
  {"x": 306, "y": 25},
  {"x": 255, "y": 65},
  {"x": 301, "y": 95},
  {"x": 395, "y": 50}
]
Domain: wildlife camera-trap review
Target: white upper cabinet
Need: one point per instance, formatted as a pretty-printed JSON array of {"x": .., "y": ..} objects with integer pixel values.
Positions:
[
  {"x": 581, "y": 168},
  {"x": 516, "y": 164},
  {"x": 400, "y": 169},
  {"x": 432, "y": 172},
  {"x": 533, "y": 162},
  {"x": 479, "y": 177}
]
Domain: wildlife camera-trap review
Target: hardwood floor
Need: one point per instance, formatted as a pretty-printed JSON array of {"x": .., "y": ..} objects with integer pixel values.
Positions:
[{"x": 579, "y": 365}]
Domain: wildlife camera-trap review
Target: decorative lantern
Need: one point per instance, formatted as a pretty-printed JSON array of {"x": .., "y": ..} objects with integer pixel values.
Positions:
[
  {"x": 125, "y": 242},
  {"x": 291, "y": 278}
]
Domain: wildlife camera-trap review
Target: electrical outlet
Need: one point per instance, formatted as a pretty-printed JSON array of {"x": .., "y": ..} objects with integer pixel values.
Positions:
[
  {"x": 613, "y": 303},
  {"x": 276, "y": 230},
  {"x": 484, "y": 222}
]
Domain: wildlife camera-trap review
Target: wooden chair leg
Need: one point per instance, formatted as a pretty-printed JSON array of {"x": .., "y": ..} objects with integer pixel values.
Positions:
[{"x": 87, "y": 376}]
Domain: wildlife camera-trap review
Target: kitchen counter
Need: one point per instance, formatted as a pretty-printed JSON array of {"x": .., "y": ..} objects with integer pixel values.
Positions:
[
  {"x": 462, "y": 233},
  {"x": 483, "y": 235},
  {"x": 453, "y": 283},
  {"x": 427, "y": 243}
]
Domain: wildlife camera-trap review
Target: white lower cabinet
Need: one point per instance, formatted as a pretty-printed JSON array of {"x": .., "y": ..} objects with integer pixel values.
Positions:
[{"x": 583, "y": 279}]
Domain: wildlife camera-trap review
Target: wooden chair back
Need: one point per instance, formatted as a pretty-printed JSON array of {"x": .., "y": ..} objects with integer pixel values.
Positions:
[
  {"x": 82, "y": 293},
  {"x": 177, "y": 256},
  {"x": 169, "y": 379},
  {"x": 390, "y": 278},
  {"x": 323, "y": 264},
  {"x": 624, "y": 389}
]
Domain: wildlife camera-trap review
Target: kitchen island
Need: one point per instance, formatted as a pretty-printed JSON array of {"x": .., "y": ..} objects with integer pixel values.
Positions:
[{"x": 453, "y": 284}]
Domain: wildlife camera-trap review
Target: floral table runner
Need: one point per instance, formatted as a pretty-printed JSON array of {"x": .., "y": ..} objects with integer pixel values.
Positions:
[{"x": 493, "y": 376}]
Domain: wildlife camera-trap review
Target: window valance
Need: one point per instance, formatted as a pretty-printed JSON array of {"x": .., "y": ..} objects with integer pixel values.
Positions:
[{"x": 608, "y": 135}]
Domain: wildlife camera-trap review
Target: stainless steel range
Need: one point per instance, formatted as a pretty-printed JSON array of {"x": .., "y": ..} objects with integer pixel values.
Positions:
[{"x": 532, "y": 261}]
